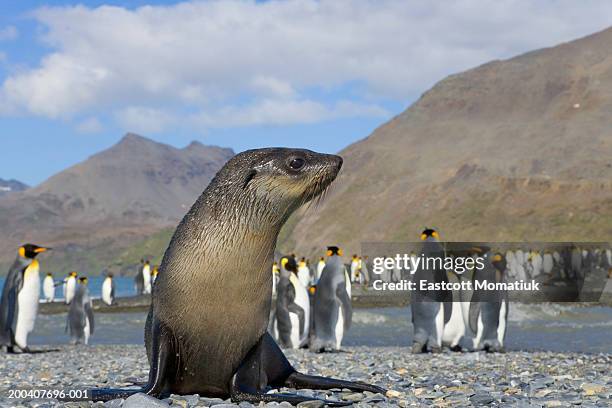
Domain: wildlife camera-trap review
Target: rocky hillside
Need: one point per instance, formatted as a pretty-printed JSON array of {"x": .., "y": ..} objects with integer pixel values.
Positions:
[
  {"x": 512, "y": 150},
  {"x": 94, "y": 211}
]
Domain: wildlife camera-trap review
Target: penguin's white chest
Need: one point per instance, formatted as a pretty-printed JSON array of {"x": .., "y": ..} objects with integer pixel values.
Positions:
[
  {"x": 146, "y": 276},
  {"x": 304, "y": 276},
  {"x": 69, "y": 289},
  {"x": 303, "y": 301},
  {"x": 106, "y": 291},
  {"x": 339, "y": 331},
  {"x": 501, "y": 328},
  {"x": 27, "y": 302},
  {"x": 86, "y": 330},
  {"x": 454, "y": 329},
  {"x": 49, "y": 289}
]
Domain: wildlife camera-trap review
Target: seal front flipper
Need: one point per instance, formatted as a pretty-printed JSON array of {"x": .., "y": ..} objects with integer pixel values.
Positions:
[
  {"x": 162, "y": 357},
  {"x": 266, "y": 367}
]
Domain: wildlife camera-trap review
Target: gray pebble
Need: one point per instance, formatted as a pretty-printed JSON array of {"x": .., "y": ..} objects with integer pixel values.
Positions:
[
  {"x": 481, "y": 399},
  {"x": 141, "y": 400},
  {"x": 311, "y": 404}
]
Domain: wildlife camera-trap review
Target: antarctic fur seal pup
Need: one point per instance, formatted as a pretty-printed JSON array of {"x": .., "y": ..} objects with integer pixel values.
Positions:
[{"x": 206, "y": 328}]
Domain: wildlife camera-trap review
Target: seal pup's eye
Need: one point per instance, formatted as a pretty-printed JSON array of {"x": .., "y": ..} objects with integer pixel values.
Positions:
[{"x": 296, "y": 163}]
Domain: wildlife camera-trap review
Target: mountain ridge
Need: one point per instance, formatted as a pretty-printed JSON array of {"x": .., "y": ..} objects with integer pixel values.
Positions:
[
  {"x": 115, "y": 197},
  {"x": 510, "y": 150}
]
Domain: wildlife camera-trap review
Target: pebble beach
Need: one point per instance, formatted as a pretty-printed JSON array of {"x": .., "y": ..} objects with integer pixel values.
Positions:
[{"x": 516, "y": 378}]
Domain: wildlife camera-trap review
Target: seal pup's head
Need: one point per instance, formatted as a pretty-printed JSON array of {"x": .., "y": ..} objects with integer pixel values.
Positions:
[{"x": 267, "y": 185}]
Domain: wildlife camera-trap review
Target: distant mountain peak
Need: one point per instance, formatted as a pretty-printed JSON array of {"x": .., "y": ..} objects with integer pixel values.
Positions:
[
  {"x": 11, "y": 186},
  {"x": 195, "y": 145},
  {"x": 134, "y": 139}
]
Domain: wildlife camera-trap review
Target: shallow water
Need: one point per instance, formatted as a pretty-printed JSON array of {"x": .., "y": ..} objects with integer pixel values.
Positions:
[
  {"x": 124, "y": 286},
  {"x": 552, "y": 327}
]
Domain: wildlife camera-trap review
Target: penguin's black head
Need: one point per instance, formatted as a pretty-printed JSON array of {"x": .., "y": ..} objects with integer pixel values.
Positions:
[
  {"x": 429, "y": 232},
  {"x": 334, "y": 250},
  {"x": 83, "y": 280},
  {"x": 110, "y": 275},
  {"x": 31, "y": 251},
  {"x": 49, "y": 274},
  {"x": 288, "y": 262},
  {"x": 499, "y": 262}
]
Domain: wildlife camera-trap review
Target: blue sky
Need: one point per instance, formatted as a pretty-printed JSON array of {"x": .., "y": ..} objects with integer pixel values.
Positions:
[{"x": 74, "y": 77}]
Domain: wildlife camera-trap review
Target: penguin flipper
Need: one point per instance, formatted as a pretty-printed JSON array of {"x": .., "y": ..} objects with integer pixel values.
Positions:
[
  {"x": 266, "y": 366},
  {"x": 12, "y": 307},
  {"x": 90, "y": 316},
  {"x": 162, "y": 357},
  {"x": 448, "y": 311},
  {"x": 473, "y": 317},
  {"x": 294, "y": 308},
  {"x": 347, "y": 308}
]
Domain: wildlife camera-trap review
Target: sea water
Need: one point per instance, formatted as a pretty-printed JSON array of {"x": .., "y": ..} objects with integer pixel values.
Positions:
[
  {"x": 552, "y": 327},
  {"x": 124, "y": 286}
]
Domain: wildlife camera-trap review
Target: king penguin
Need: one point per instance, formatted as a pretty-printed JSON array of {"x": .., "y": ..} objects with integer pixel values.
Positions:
[
  {"x": 108, "y": 290},
  {"x": 458, "y": 325},
  {"x": 272, "y": 328},
  {"x": 146, "y": 277},
  {"x": 49, "y": 287},
  {"x": 80, "y": 315},
  {"x": 332, "y": 304},
  {"x": 303, "y": 273},
  {"x": 154, "y": 273},
  {"x": 430, "y": 308},
  {"x": 19, "y": 303},
  {"x": 139, "y": 279},
  {"x": 320, "y": 266},
  {"x": 292, "y": 306},
  {"x": 69, "y": 287},
  {"x": 489, "y": 308}
]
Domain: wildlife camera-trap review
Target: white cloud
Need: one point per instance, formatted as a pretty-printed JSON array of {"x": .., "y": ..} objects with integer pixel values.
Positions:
[
  {"x": 293, "y": 59},
  {"x": 8, "y": 33},
  {"x": 89, "y": 125},
  {"x": 141, "y": 119},
  {"x": 283, "y": 112}
]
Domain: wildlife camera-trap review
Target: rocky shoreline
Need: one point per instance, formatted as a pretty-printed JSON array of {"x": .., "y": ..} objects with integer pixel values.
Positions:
[{"x": 525, "y": 379}]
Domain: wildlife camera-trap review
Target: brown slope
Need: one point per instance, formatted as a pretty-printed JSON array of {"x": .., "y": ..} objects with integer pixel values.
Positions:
[
  {"x": 511, "y": 150},
  {"x": 110, "y": 201}
]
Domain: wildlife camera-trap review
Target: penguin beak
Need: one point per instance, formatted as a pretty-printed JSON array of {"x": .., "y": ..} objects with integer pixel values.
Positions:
[{"x": 41, "y": 249}]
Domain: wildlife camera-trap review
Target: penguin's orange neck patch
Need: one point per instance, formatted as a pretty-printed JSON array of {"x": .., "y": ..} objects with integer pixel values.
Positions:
[
  {"x": 22, "y": 252},
  {"x": 33, "y": 267}
]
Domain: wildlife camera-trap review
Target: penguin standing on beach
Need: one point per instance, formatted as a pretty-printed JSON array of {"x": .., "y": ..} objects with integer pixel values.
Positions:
[
  {"x": 139, "y": 279},
  {"x": 146, "y": 277},
  {"x": 457, "y": 326},
  {"x": 303, "y": 273},
  {"x": 320, "y": 266},
  {"x": 489, "y": 308},
  {"x": 69, "y": 286},
  {"x": 272, "y": 329},
  {"x": 332, "y": 304},
  {"x": 292, "y": 307},
  {"x": 154, "y": 273},
  {"x": 80, "y": 315},
  {"x": 19, "y": 302},
  {"x": 108, "y": 290},
  {"x": 431, "y": 309},
  {"x": 49, "y": 287}
]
